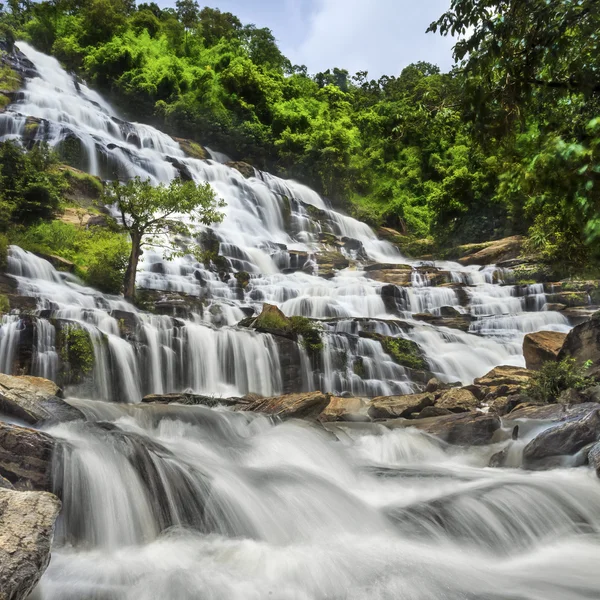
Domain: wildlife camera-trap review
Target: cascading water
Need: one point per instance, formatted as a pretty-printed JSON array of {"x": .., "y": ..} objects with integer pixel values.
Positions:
[{"x": 177, "y": 503}]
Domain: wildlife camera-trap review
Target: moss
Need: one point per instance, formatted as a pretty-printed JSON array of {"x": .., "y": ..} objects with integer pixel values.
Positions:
[
  {"x": 9, "y": 79},
  {"x": 82, "y": 185},
  {"x": 243, "y": 279},
  {"x": 192, "y": 149},
  {"x": 271, "y": 318},
  {"x": 76, "y": 352},
  {"x": 3, "y": 252},
  {"x": 310, "y": 333},
  {"x": 4, "y": 101},
  {"x": 4, "y": 304},
  {"x": 402, "y": 351},
  {"x": 359, "y": 367}
]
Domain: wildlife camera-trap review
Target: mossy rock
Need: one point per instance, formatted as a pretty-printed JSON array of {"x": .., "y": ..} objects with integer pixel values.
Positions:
[
  {"x": 10, "y": 80},
  {"x": 403, "y": 352},
  {"x": 192, "y": 149},
  {"x": 4, "y": 304},
  {"x": 76, "y": 350},
  {"x": 84, "y": 189},
  {"x": 244, "y": 168},
  {"x": 243, "y": 279}
]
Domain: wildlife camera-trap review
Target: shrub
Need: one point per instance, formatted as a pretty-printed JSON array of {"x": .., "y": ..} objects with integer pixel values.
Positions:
[
  {"x": 310, "y": 333},
  {"x": 76, "y": 352},
  {"x": 556, "y": 377}
]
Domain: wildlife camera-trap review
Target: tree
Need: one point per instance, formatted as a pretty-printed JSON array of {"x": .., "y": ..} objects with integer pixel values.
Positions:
[
  {"x": 148, "y": 211},
  {"x": 187, "y": 12}
]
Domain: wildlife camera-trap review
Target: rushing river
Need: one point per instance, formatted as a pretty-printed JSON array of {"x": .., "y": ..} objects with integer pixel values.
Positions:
[{"x": 178, "y": 503}]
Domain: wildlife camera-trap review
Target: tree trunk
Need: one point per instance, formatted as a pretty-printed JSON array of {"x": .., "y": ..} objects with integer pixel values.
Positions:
[{"x": 130, "y": 273}]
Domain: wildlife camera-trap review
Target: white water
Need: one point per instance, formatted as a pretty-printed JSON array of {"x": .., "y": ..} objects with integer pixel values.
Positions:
[{"x": 178, "y": 503}]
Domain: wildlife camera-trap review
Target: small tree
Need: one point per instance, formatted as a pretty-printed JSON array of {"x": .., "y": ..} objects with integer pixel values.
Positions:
[{"x": 148, "y": 211}]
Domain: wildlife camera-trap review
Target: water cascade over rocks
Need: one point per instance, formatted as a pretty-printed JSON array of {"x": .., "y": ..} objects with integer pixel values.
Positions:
[{"x": 172, "y": 502}]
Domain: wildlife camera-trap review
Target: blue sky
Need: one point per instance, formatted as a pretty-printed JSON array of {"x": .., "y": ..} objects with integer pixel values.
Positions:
[{"x": 379, "y": 36}]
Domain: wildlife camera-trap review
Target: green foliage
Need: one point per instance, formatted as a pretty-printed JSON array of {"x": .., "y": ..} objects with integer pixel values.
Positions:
[
  {"x": 76, "y": 352},
  {"x": 30, "y": 189},
  {"x": 404, "y": 352},
  {"x": 100, "y": 254},
  {"x": 556, "y": 377},
  {"x": 271, "y": 318},
  {"x": 310, "y": 332},
  {"x": 3, "y": 252},
  {"x": 4, "y": 304}
]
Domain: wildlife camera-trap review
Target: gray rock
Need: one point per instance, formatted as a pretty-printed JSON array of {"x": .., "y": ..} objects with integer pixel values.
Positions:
[
  {"x": 583, "y": 344},
  {"x": 563, "y": 439},
  {"x": 26, "y": 457},
  {"x": 26, "y": 528},
  {"x": 594, "y": 458},
  {"x": 34, "y": 400}
]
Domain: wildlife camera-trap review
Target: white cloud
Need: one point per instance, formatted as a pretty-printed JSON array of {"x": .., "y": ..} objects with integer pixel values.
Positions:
[{"x": 380, "y": 36}]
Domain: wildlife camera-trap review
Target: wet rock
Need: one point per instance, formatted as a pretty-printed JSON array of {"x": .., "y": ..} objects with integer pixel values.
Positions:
[
  {"x": 34, "y": 400},
  {"x": 562, "y": 440},
  {"x": 594, "y": 458},
  {"x": 26, "y": 529},
  {"x": 244, "y": 168},
  {"x": 58, "y": 262},
  {"x": 394, "y": 298},
  {"x": 399, "y": 275},
  {"x": 402, "y": 351},
  {"x": 491, "y": 252},
  {"x": 502, "y": 405},
  {"x": 189, "y": 399},
  {"x": 458, "y": 400},
  {"x": 393, "y": 407},
  {"x": 173, "y": 304},
  {"x": 541, "y": 347},
  {"x": 329, "y": 263},
  {"x": 431, "y": 411},
  {"x": 5, "y": 484},
  {"x": 583, "y": 344},
  {"x": 346, "y": 409},
  {"x": 505, "y": 375},
  {"x": 25, "y": 456},
  {"x": 458, "y": 321},
  {"x": 555, "y": 306},
  {"x": 552, "y": 412},
  {"x": 191, "y": 148},
  {"x": 300, "y": 406},
  {"x": 435, "y": 385},
  {"x": 463, "y": 429}
]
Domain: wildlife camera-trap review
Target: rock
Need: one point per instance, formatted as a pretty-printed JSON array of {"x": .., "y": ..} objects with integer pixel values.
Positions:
[
  {"x": 26, "y": 529},
  {"x": 555, "y": 306},
  {"x": 192, "y": 149},
  {"x": 583, "y": 344},
  {"x": 502, "y": 405},
  {"x": 6, "y": 484},
  {"x": 551, "y": 412},
  {"x": 402, "y": 351},
  {"x": 449, "y": 311},
  {"x": 299, "y": 406},
  {"x": 492, "y": 252},
  {"x": 562, "y": 439},
  {"x": 346, "y": 409},
  {"x": 570, "y": 299},
  {"x": 457, "y": 400},
  {"x": 399, "y": 275},
  {"x": 498, "y": 460},
  {"x": 272, "y": 320},
  {"x": 458, "y": 321},
  {"x": 505, "y": 375},
  {"x": 330, "y": 262},
  {"x": 431, "y": 411},
  {"x": 434, "y": 385},
  {"x": 189, "y": 399},
  {"x": 34, "y": 400},
  {"x": 594, "y": 458},
  {"x": 393, "y": 407},
  {"x": 541, "y": 347},
  {"x": 58, "y": 262},
  {"x": 571, "y": 396},
  {"x": 244, "y": 168},
  {"x": 463, "y": 429},
  {"x": 25, "y": 456}
]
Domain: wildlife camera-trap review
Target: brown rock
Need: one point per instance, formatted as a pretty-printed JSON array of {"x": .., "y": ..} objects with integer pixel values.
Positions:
[
  {"x": 505, "y": 375},
  {"x": 244, "y": 168},
  {"x": 463, "y": 429},
  {"x": 494, "y": 252},
  {"x": 393, "y": 407},
  {"x": 34, "y": 400},
  {"x": 551, "y": 412},
  {"x": 541, "y": 347},
  {"x": 583, "y": 344},
  {"x": 346, "y": 409},
  {"x": 309, "y": 405},
  {"x": 189, "y": 399},
  {"x": 25, "y": 457},
  {"x": 26, "y": 528},
  {"x": 431, "y": 411},
  {"x": 458, "y": 400}
]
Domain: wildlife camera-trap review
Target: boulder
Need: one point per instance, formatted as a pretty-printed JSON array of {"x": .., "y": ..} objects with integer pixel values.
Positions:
[
  {"x": 244, "y": 168},
  {"x": 189, "y": 399},
  {"x": 551, "y": 412},
  {"x": 563, "y": 439},
  {"x": 594, "y": 458},
  {"x": 541, "y": 347},
  {"x": 26, "y": 529},
  {"x": 393, "y": 407},
  {"x": 505, "y": 375},
  {"x": 463, "y": 429},
  {"x": 34, "y": 400},
  {"x": 492, "y": 252},
  {"x": 583, "y": 344},
  {"x": 346, "y": 409},
  {"x": 457, "y": 400},
  {"x": 399, "y": 275},
  {"x": 26, "y": 457},
  {"x": 299, "y": 406},
  {"x": 431, "y": 411},
  {"x": 457, "y": 321}
]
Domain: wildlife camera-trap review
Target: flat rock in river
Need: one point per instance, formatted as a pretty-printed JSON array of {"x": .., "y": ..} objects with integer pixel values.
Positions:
[
  {"x": 34, "y": 400},
  {"x": 346, "y": 409},
  {"x": 562, "y": 439},
  {"x": 26, "y": 528},
  {"x": 300, "y": 406},
  {"x": 457, "y": 400},
  {"x": 393, "y": 407}
]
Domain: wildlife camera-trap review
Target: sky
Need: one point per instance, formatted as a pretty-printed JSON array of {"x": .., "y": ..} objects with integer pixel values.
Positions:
[{"x": 378, "y": 36}]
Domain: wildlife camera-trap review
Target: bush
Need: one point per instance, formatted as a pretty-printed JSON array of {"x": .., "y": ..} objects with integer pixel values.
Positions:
[
  {"x": 310, "y": 333},
  {"x": 76, "y": 352},
  {"x": 556, "y": 377}
]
